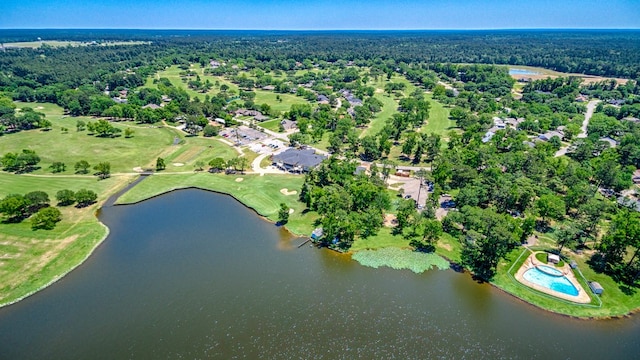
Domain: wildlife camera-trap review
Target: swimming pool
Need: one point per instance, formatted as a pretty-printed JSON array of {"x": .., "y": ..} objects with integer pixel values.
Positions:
[{"x": 550, "y": 278}]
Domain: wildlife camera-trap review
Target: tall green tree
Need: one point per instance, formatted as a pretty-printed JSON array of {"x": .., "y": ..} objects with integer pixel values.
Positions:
[{"x": 103, "y": 170}]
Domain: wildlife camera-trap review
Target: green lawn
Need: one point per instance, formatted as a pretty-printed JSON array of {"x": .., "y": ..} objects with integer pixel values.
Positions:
[
  {"x": 383, "y": 239},
  {"x": 262, "y": 96},
  {"x": 269, "y": 97},
  {"x": 614, "y": 301},
  {"x": 32, "y": 259},
  {"x": 173, "y": 74},
  {"x": 439, "y": 122},
  {"x": 71, "y": 146},
  {"x": 389, "y": 107},
  {"x": 183, "y": 157},
  {"x": 261, "y": 193},
  {"x": 273, "y": 125}
]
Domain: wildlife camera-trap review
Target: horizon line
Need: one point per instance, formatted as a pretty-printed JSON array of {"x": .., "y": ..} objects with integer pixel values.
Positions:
[{"x": 328, "y": 29}]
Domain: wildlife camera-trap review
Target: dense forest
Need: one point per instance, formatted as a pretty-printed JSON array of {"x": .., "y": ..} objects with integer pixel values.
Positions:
[{"x": 604, "y": 53}]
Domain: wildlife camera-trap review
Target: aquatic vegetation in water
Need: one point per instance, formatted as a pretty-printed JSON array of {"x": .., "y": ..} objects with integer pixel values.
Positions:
[{"x": 396, "y": 258}]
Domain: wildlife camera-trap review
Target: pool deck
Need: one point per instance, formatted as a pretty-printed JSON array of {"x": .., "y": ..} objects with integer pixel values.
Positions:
[{"x": 531, "y": 262}]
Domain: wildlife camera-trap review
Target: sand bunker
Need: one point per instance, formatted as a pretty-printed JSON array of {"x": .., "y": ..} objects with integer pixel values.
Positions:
[
  {"x": 291, "y": 211},
  {"x": 239, "y": 179},
  {"x": 286, "y": 192},
  {"x": 138, "y": 169},
  {"x": 178, "y": 164}
]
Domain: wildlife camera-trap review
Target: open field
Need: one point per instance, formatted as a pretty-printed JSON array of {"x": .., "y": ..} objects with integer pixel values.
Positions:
[
  {"x": 29, "y": 260},
  {"x": 262, "y": 96},
  {"x": 141, "y": 150},
  {"x": 58, "y": 43},
  {"x": 69, "y": 147},
  {"x": 269, "y": 97},
  {"x": 173, "y": 74}
]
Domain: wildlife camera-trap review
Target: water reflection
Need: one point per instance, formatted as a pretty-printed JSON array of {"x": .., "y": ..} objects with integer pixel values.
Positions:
[{"x": 194, "y": 274}]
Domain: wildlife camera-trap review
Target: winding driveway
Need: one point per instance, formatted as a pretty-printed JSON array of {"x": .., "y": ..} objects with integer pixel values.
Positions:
[{"x": 591, "y": 107}]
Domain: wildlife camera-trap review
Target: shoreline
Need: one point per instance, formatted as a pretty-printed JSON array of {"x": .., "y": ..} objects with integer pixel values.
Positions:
[
  {"x": 107, "y": 231},
  {"x": 120, "y": 192}
]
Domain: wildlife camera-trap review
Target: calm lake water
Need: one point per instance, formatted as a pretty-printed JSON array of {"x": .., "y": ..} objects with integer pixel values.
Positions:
[
  {"x": 194, "y": 274},
  {"x": 513, "y": 71}
]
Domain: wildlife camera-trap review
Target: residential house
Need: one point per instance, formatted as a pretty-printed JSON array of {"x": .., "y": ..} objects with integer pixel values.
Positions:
[
  {"x": 513, "y": 122},
  {"x": 581, "y": 98},
  {"x": 550, "y": 134},
  {"x": 628, "y": 202},
  {"x": 636, "y": 177},
  {"x": 488, "y": 136},
  {"x": 322, "y": 99},
  {"x": 288, "y": 124},
  {"x": 151, "y": 106},
  {"x": 612, "y": 143}
]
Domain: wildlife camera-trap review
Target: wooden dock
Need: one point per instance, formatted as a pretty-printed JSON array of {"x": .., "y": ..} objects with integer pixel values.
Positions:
[{"x": 301, "y": 245}]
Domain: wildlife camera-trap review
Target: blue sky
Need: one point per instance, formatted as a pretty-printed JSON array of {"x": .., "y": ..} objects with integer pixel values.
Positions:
[{"x": 320, "y": 14}]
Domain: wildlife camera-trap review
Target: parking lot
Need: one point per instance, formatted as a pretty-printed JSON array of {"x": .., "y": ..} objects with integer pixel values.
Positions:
[
  {"x": 267, "y": 146},
  {"x": 243, "y": 135}
]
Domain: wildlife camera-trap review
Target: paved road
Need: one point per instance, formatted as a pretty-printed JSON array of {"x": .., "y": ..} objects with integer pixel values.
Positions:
[
  {"x": 255, "y": 166},
  {"x": 591, "y": 106}
]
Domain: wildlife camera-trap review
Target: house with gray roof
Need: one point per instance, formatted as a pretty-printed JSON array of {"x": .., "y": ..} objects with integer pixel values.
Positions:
[{"x": 297, "y": 160}]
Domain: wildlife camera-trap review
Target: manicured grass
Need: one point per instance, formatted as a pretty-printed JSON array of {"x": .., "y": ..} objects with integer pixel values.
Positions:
[
  {"x": 383, "y": 239},
  {"x": 273, "y": 125},
  {"x": 31, "y": 259},
  {"x": 261, "y": 193},
  {"x": 48, "y": 109},
  {"x": 614, "y": 301},
  {"x": 71, "y": 146},
  {"x": 389, "y": 107},
  {"x": 542, "y": 257},
  {"x": 439, "y": 122},
  {"x": 323, "y": 144},
  {"x": 173, "y": 74},
  {"x": 269, "y": 97},
  {"x": 262, "y": 96},
  {"x": 196, "y": 149},
  {"x": 447, "y": 246}
]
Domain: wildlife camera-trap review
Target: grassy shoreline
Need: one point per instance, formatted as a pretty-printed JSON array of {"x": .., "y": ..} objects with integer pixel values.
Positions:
[
  {"x": 263, "y": 195},
  {"x": 33, "y": 260}
]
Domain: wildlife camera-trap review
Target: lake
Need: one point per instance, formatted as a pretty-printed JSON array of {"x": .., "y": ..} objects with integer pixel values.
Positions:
[
  {"x": 193, "y": 274},
  {"x": 513, "y": 71}
]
